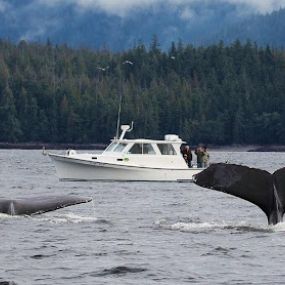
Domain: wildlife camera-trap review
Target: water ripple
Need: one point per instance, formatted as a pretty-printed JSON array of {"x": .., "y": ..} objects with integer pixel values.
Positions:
[
  {"x": 118, "y": 270},
  {"x": 201, "y": 236}
]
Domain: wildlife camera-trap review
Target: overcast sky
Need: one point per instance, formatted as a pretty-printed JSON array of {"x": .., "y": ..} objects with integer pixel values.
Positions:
[
  {"x": 122, "y": 7},
  {"x": 43, "y": 15}
]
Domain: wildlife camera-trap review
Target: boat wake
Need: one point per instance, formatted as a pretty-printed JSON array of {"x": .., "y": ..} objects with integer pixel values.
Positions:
[{"x": 200, "y": 227}]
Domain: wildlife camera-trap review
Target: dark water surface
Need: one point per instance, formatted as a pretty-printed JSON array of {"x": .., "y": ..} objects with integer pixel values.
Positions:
[{"x": 137, "y": 233}]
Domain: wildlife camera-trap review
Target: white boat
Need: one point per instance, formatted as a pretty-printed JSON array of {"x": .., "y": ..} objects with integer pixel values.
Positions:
[{"x": 127, "y": 160}]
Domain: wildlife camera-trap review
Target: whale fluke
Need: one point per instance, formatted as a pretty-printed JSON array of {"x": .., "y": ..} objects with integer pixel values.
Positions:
[
  {"x": 38, "y": 205},
  {"x": 265, "y": 190}
]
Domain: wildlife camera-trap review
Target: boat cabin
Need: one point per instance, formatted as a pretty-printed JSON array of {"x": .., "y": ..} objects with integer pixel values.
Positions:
[
  {"x": 149, "y": 153},
  {"x": 169, "y": 146}
]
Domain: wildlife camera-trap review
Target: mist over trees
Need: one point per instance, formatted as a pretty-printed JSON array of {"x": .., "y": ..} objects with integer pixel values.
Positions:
[
  {"x": 216, "y": 94},
  {"x": 118, "y": 24}
]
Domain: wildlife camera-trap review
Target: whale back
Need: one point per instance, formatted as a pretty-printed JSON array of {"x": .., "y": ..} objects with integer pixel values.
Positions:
[{"x": 38, "y": 205}]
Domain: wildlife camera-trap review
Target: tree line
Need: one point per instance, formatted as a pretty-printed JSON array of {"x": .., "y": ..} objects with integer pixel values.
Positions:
[{"x": 216, "y": 95}]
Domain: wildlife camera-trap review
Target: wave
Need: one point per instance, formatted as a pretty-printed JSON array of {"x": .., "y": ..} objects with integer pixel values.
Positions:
[
  {"x": 119, "y": 270},
  {"x": 40, "y": 256}
]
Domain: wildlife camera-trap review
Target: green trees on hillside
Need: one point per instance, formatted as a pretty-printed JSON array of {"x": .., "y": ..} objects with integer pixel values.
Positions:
[{"x": 217, "y": 94}]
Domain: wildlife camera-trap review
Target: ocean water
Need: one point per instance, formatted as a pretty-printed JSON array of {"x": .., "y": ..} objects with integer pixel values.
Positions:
[{"x": 136, "y": 233}]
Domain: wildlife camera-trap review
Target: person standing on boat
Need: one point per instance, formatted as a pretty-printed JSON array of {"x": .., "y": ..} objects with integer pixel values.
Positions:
[
  {"x": 205, "y": 157},
  {"x": 202, "y": 156},
  {"x": 187, "y": 154},
  {"x": 199, "y": 154}
]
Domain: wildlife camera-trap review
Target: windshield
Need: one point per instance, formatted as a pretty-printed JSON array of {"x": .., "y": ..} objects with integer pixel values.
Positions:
[
  {"x": 120, "y": 147},
  {"x": 139, "y": 148},
  {"x": 110, "y": 147},
  {"x": 115, "y": 147}
]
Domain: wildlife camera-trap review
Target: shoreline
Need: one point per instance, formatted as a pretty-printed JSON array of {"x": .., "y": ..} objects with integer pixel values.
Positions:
[
  {"x": 102, "y": 146},
  {"x": 59, "y": 146},
  {"x": 248, "y": 148}
]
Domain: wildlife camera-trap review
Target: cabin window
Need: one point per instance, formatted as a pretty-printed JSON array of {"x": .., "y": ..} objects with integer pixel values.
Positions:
[
  {"x": 136, "y": 149},
  {"x": 148, "y": 149},
  {"x": 166, "y": 149},
  {"x": 120, "y": 147},
  {"x": 139, "y": 148}
]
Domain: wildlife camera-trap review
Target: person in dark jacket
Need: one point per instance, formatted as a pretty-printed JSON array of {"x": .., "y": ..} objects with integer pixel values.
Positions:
[{"x": 187, "y": 154}]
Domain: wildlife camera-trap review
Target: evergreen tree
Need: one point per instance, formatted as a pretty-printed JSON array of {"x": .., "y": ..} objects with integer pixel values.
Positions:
[
  {"x": 9, "y": 124},
  {"x": 217, "y": 94}
]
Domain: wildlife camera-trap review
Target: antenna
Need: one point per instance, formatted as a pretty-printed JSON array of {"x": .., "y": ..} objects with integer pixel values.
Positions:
[
  {"x": 119, "y": 115},
  {"x": 120, "y": 100}
]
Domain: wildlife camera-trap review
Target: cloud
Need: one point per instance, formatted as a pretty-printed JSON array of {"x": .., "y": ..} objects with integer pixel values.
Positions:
[
  {"x": 37, "y": 18},
  {"x": 260, "y": 6},
  {"x": 123, "y": 7},
  {"x": 115, "y": 7},
  {"x": 40, "y": 28},
  {"x": 187, "y": 14},
  {"x": 4, "y": 6}
]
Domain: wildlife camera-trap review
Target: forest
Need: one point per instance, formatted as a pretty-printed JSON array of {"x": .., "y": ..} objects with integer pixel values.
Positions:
[{"x": 219, "y": 94}]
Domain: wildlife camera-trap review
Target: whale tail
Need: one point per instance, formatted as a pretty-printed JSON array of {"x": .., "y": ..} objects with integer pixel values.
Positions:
[{"x": 265, "y": 190}]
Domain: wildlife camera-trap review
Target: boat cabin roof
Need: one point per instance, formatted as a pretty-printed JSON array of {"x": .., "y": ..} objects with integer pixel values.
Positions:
[
  {"x": 174, "y": 139},
  {"x": 169, "y": 146},
  {"x": 127, "y": 141}
]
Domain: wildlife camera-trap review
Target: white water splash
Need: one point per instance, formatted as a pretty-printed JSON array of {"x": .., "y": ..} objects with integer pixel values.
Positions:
[
  {"x": 280, "y": 227},
  {"x": 67, "y": 218},
  {"x": 188, "y": 227},
  {"x": 7, "y": 216},
  {"x": 54, "y": 219},
  {"x": 209, "y": 226},
  {"x": 278, "y": 204}
]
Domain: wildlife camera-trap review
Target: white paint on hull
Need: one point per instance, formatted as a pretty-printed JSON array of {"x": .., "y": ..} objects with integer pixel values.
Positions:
[{"x": 83, "y": 170}]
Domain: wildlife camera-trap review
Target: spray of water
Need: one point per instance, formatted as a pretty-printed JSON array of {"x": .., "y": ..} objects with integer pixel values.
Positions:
[
  {"x": 11, "y": 209},
  {"x": 278, "y": 204},
  {"x": 93, "y": 207}
]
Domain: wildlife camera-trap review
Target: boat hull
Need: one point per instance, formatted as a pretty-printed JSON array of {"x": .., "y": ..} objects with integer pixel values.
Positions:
[{"x": 71, "y": 169}]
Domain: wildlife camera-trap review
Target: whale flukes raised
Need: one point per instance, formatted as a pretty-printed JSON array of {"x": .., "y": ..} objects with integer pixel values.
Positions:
[{"x": 265, "y": 190}]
